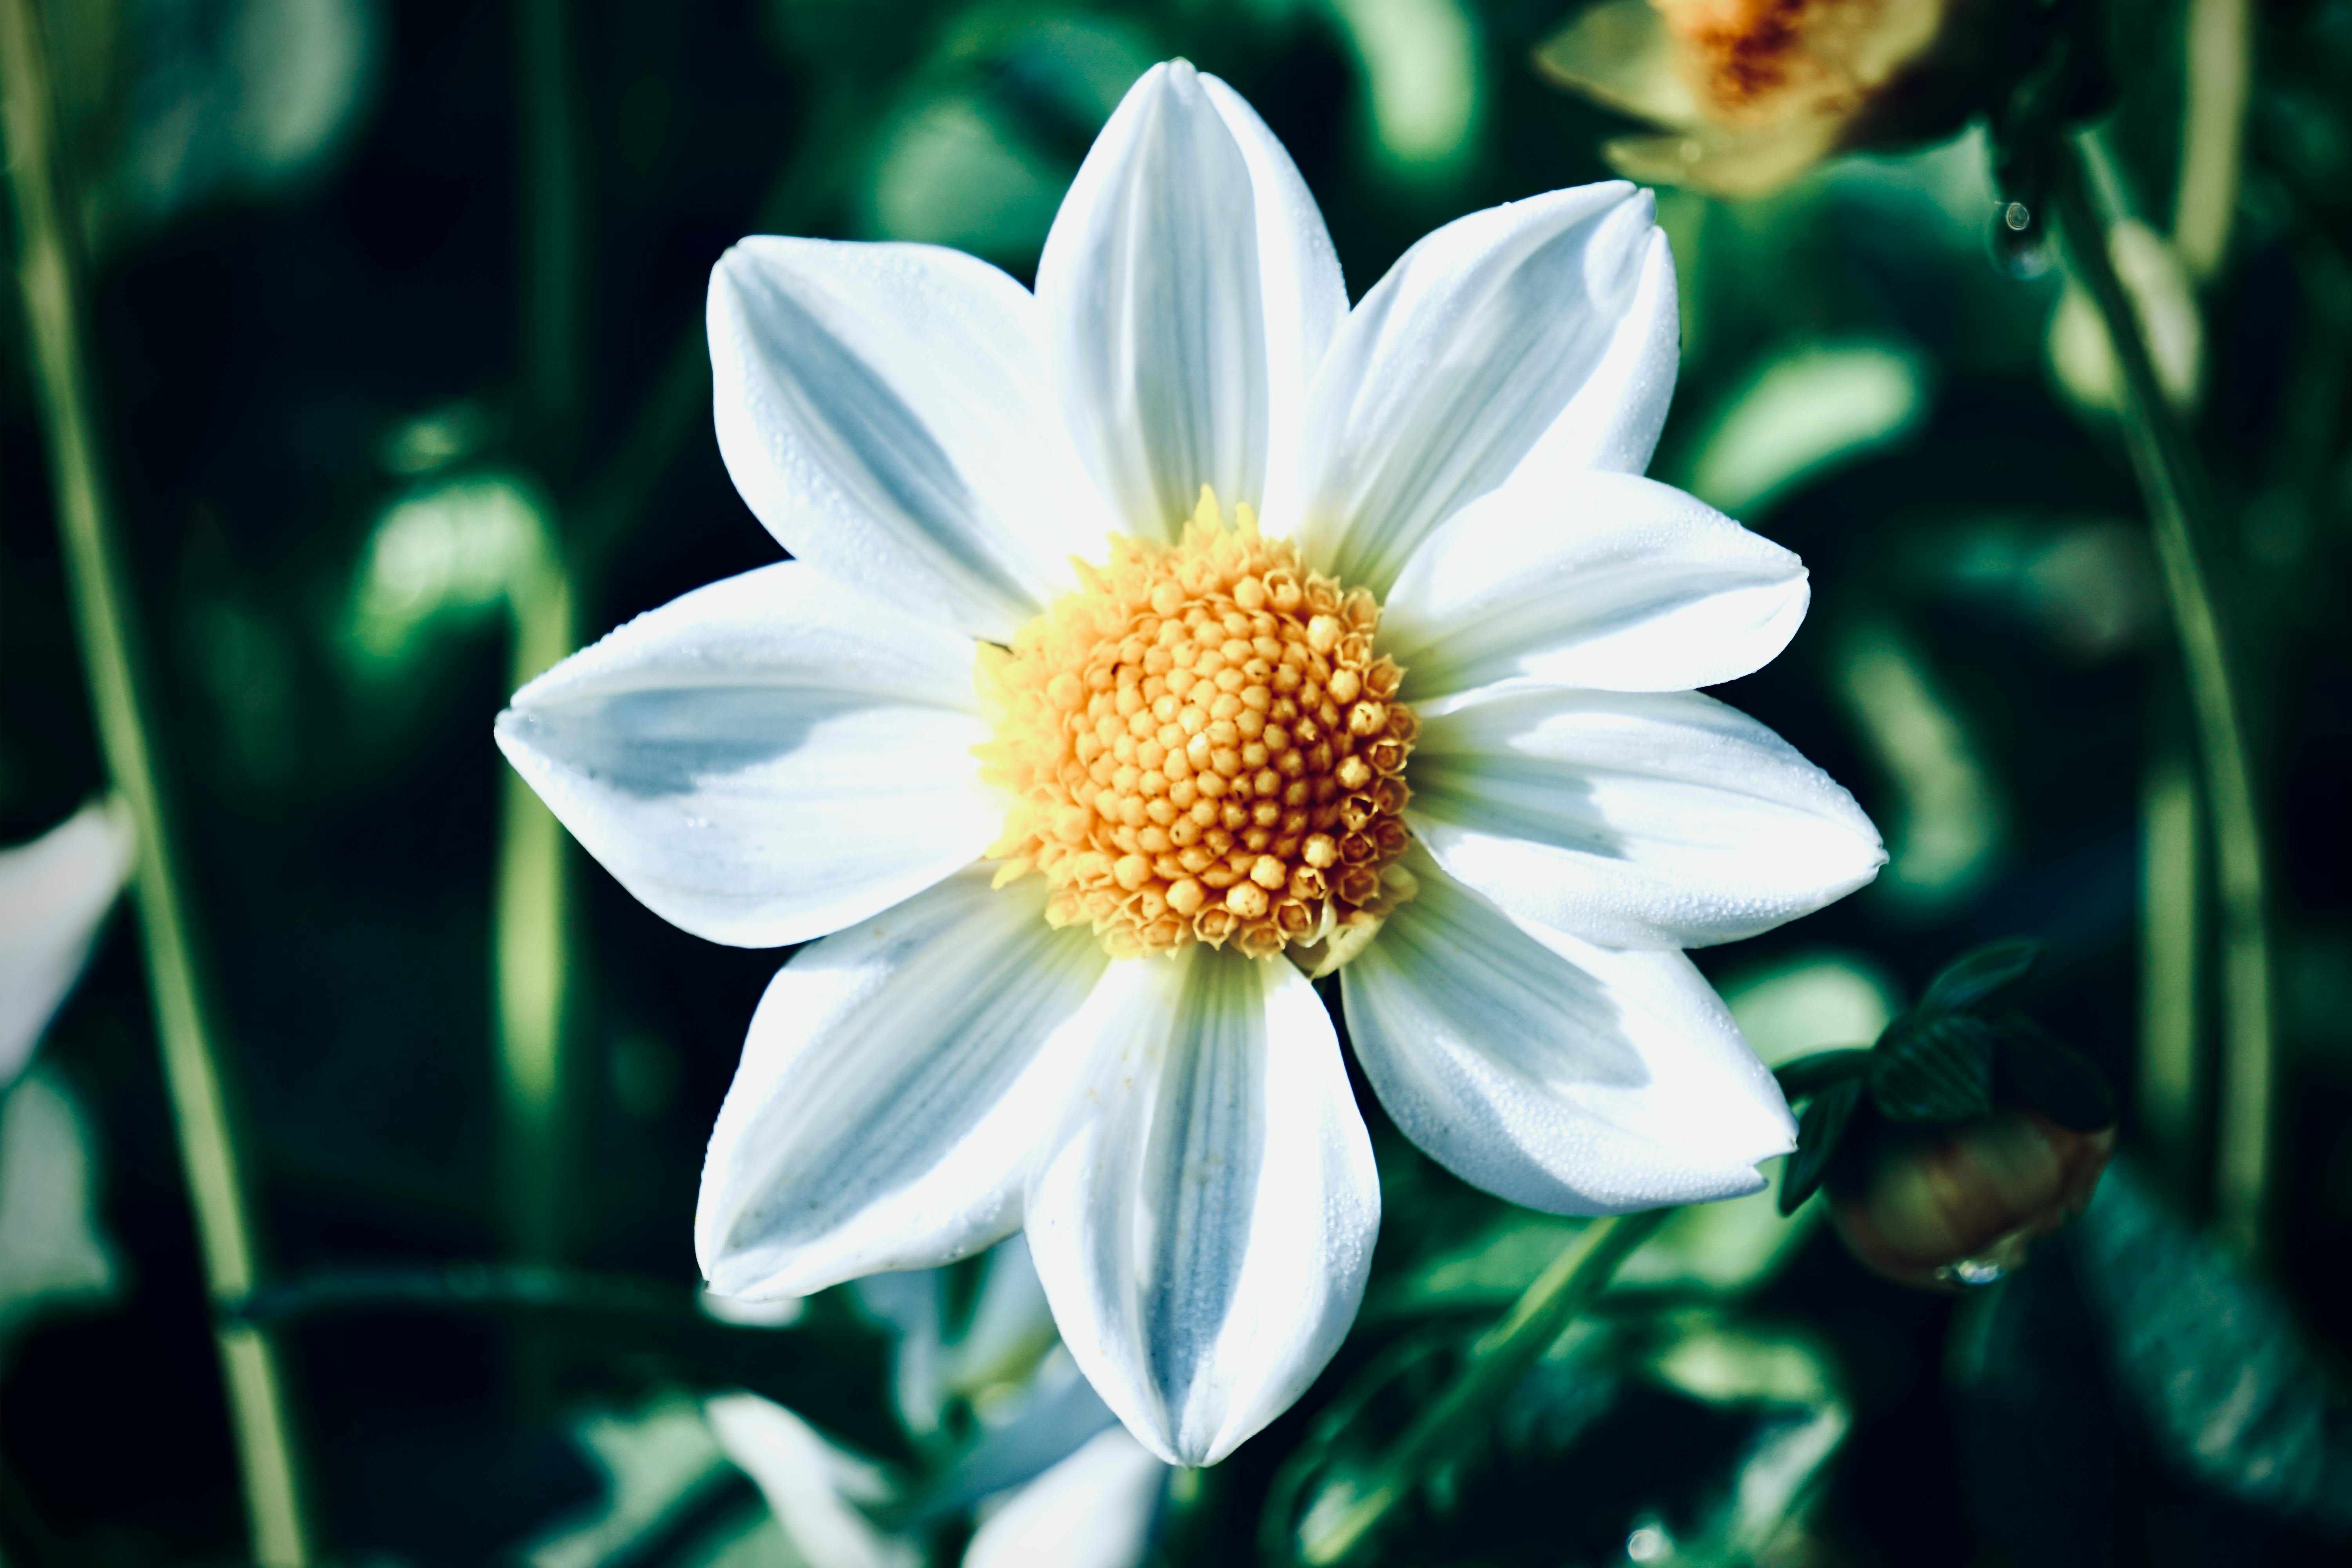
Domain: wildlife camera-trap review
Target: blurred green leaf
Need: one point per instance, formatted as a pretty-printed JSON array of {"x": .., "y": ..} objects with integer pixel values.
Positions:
[
  {"x": 1422, "y": 69},
  {"x": 1692, "y": 1437},
  {"x": 1977, "y": 975},
  {"x": 2229, "y": 1389},
  {"x": 1801, "y": 413},
  {"x": 1818, "y": 1129},
  {"x": 1809, "y": 1003},
  {"x": 1810, "y": 1075},
  {"x": 657, "y": 1461},
  {"x": 2053, "y": 1076}
]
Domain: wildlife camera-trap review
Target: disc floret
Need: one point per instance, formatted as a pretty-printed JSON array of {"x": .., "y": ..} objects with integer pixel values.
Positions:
[{"x": 1203, "y": 745}]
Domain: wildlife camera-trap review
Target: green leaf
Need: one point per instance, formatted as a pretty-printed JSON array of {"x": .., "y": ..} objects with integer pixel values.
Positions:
[
  {"x": 2053, "y": 1076},
  {"x": 1819, "y": 1131},
  {"x": 1935, "y": 1069},
  {"x": 2226, "y": 1386},
  {"x": 1809, "y": 1074},
  {"x": 1977, "y": 975}
]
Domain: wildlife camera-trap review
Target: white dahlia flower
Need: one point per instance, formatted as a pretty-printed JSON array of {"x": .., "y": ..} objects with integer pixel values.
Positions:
[{"x": 1155, "y": 642}]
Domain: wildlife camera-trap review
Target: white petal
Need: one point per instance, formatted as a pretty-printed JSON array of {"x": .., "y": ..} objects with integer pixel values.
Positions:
[
  {"x": 1636, "y": 820},
  {"x": 1094, "y": 1510},
  {"x": 53, "y": 1248},
  {"x": 898, "y": 1079},
  {"x": 884, "y": 410},
  {"x": 1305, "y": 296},
  {"x": 1204, "y": 1222},
  {"x": 53, "y": 893},
  {"x": 1526, "y": 341},
  {"x": 1569, "y": 1078},
  {"x": 813, "y": 1486},
  {"x": 765, "y": 760},
  {"x": 1189, "y": 290},
  {"x": 1609, "y": 581}
]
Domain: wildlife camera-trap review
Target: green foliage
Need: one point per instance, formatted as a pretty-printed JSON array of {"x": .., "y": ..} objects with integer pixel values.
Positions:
[
  {"x": 306, "y": 306},
  {"x": 1940, "y": 1063}
]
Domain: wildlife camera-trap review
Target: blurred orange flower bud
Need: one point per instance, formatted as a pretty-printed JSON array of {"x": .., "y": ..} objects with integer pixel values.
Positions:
[
  {"x": 1950, "y": 1207},
  {"x": 1751, "y": 93}
]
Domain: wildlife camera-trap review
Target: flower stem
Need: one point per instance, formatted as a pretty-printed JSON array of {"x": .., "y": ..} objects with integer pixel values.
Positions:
[
  {"x": 96, "y": 577},
  {"x": 2171, "y": 937},
  {"x": 1502, "y": 1356},
  {"x": 533, "y": 929},
  {"x": 2218, "y": 55},
  {"x": 533, "y": 940},
  {"x": 2189, "y": 547}
]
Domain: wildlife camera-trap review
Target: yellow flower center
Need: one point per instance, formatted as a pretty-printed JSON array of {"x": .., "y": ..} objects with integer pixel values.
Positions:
[{"x": 1203, "y": 745}]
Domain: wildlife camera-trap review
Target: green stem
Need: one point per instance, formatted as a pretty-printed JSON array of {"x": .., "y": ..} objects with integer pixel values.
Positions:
[
  {"x": 476, "y": 1287},
  {"x": 2189, "y": 548},
  {"x": 552, "y": 295},
  {"x": 2218, "y": 58},
  {"x": 1502, "y": 1356},
  {"x": 2171, "y": 937},
  {"x": 533, "y": 929},
  {"x": 533, "y": 935},
  {"x": 97, "y": 580}
]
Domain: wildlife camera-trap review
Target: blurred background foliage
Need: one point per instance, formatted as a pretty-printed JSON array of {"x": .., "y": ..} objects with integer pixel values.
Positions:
[{"x": 398, "y": 308}]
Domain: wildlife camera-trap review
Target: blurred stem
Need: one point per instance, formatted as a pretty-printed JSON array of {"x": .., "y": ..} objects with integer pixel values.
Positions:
[
  {"x": 532, "y": 926},
  {"x": 2189, "y": 546},
  {"x": 101, "y": 606},
  {"x": 549, "y": 156},
  {"x": 2171, "y": 948},
  {"x": 1502, "y": 1356},
  {"x": 2218, "y": 60},
  {"x": 532, "y": 930},
  {"x": 477, "y": 1287}
]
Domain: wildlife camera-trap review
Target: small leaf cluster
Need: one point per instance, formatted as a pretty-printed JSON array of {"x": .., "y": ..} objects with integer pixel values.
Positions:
[{"x": 1949, "y": 1059}]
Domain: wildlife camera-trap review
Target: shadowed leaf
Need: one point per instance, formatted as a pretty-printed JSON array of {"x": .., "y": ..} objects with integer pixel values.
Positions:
[
  {"x": 1937, "y": 1070},
  {"x": 2053, "y": 1076},
  {"x": 1973, "y": 976},
  {"x": 1817, "y": 1131}
]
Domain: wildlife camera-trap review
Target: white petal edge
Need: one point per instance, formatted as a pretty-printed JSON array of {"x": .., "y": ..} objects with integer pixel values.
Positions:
[
  {"x": 1608, "y": 581},
  {"x": 1530, "y": 340},
  {"x": 1634, "y": 819},
  {"x": 813, "y": 1487},
  {"x": 54, "y": 892},
  {"x": 1094, "y": 1510},
  {"x": 1204, "y": 1222},
  {"x": 1553, "y": 1073},
  {"x": 1305, "y": 293},
  {"x": 765, "y": 760},
  {"x": 884, "y": 411},
  {"x": 896, "y": 1085},
  {"x": 1153, "y": 296}
]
